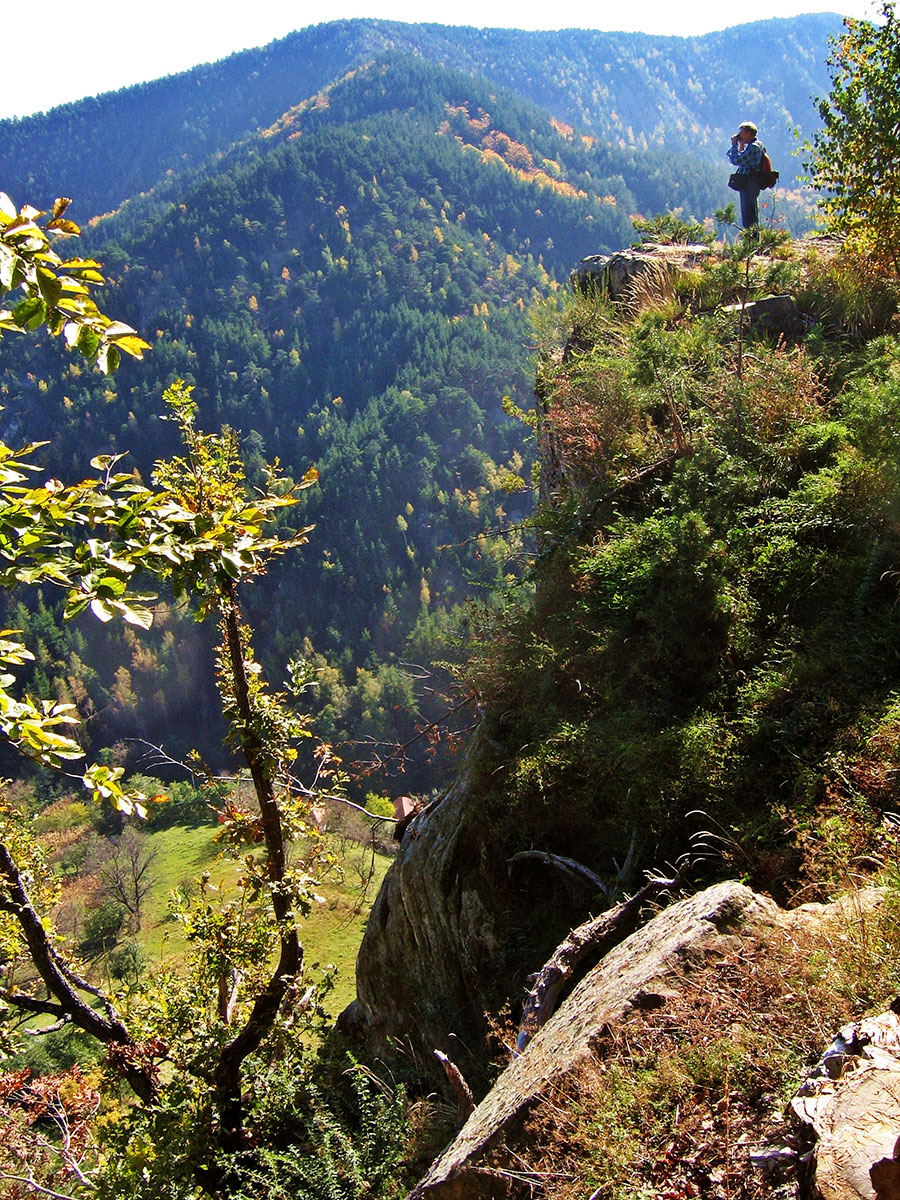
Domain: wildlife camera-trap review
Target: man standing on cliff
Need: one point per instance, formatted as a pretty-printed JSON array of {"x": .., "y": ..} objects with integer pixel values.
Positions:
[{"x": 746, "y": 154}]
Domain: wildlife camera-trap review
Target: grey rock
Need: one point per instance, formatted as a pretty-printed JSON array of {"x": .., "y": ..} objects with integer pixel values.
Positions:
[
  {"x": 653, "y": 961},
  {"x": 434, "y": 937},
  {"x": 855, "y": 1112},
  {"x": 615, "y": 274},
  {"x": 776, "y": 315}
]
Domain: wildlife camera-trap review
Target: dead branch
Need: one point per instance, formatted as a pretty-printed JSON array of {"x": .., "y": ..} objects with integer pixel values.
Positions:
[
  {"x": 302, "y": 789},
  {"x": 568, "y": 866},
  {"x": 399, "y": 751},
  {"x": 461, "y": 1089},
  {"x": 30, "y": 1182},
  {"x": 63, "y": 1021},
  {"x": 592, "y": 940},
  {"x": 577, "y": 870}
]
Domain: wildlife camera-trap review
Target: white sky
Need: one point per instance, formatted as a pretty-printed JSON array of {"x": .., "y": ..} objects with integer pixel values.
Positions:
[{"x": 112, "y": 47}]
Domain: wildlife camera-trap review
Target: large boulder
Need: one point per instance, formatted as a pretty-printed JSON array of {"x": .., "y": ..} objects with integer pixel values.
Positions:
[
  {"x": 434, "y": 938},
  {"x": 614, "y": 275},
  {"x": 454, "y": 932},
  {"x": 687, "y": 971},
  {"x": 643, "y": 971}
]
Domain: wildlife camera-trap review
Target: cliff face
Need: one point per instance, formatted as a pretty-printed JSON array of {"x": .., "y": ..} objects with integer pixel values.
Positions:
[
  {"x": 436, "y": 938},
  {"x": 715, "y": 629},
  {"x": 455, "y": 931}
]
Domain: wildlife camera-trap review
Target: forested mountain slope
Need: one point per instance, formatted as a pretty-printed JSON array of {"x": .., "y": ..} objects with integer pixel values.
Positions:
[
  {"x": 337, "y": 241},
  {"x": 679, "y": 95},
  {"x": 350, "y": 288}
]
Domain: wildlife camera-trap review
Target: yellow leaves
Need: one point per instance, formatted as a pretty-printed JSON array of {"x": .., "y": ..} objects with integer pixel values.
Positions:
[
  {"x": 514, "y": 153},
  {"x": 561, "y": 128},
  {"x": 489, "y": 155},
  {"x": 57, "y": 292}
]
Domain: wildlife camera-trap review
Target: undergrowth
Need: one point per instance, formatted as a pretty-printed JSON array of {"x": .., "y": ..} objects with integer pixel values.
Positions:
[
  {"x": 673, "y": 1100},
  {"x": 715, "y": 612}
]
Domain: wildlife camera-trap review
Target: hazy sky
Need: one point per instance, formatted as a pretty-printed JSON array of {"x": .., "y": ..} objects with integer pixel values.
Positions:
[{"x": 84, "y": 52}]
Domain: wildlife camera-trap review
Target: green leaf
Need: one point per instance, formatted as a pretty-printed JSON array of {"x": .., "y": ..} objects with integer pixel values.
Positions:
[
  {"x": 74, "y": 605},
  {"x": 232, "y": 565},
  {"x": 87, "y": 341},
  {"x": 108, "y": 358},
  {"x": 111, "y": 587},
  {"x": 103, "y": 462},
  {"x": 131, "y": 344},
  {"x": 142, "y": 617},
  {"x": 26, "y": 310},
  {"x": 101, "y": 609}
]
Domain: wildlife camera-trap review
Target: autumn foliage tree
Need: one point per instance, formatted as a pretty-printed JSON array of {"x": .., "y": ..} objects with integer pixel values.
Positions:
[{"x": 854, "y": 159}]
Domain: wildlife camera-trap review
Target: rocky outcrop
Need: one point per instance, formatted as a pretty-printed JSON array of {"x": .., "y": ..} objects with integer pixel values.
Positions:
[
  {"x": 848, "y": 1132},
  {"x": 614, "y": 275},
  {"x": 434, "y": 938},
  {"x": 776, "y": 315},
  {"x": 446, "y": 938},
  {"x": 455, "y": 931},
  {"x": 852, "y": 1103},
  {"x": 642, "y": 972}
]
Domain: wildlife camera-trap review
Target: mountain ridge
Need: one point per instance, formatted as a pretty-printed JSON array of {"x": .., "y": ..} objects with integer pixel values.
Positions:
[{"x": 183, "y": 120}]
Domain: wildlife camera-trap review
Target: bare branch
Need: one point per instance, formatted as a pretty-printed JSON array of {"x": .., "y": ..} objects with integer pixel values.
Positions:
[
  {"x": 461, "y": 1089},
  {"x": 568, "y": 866},
  {"x": 14, "y": 899},
  {"x": 590, "y": 941},
  {"x": 32, "y": 1004},
  {"x": 54, "y": 1028},
  {"x": 31, "y": 1182},
  {"x": 302, "y": 789}
]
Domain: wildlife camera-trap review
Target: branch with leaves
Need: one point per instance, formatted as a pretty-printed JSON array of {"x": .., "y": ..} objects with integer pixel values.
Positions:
[
  {"x": 854, "y": 158},
  {"x": 56, "y": 292},
  {"x": 201, "y": 531}
]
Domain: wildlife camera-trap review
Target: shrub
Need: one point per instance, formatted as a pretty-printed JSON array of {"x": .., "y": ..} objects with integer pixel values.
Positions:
[
  {"x": 714, "y": 609},
  {"x": 102, "y": 927}
]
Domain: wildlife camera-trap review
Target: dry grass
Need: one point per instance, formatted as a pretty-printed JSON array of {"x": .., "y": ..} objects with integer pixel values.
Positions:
[
  {"x": 847, "y": 292},
  {"x": 656, "y": 289},
  {"x": 786, "y": 391},
  {"x": 674, "y": 1100}
]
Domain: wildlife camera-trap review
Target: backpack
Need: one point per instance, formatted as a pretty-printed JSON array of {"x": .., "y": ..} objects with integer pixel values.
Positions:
[{"x": 764, "y": 173}]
